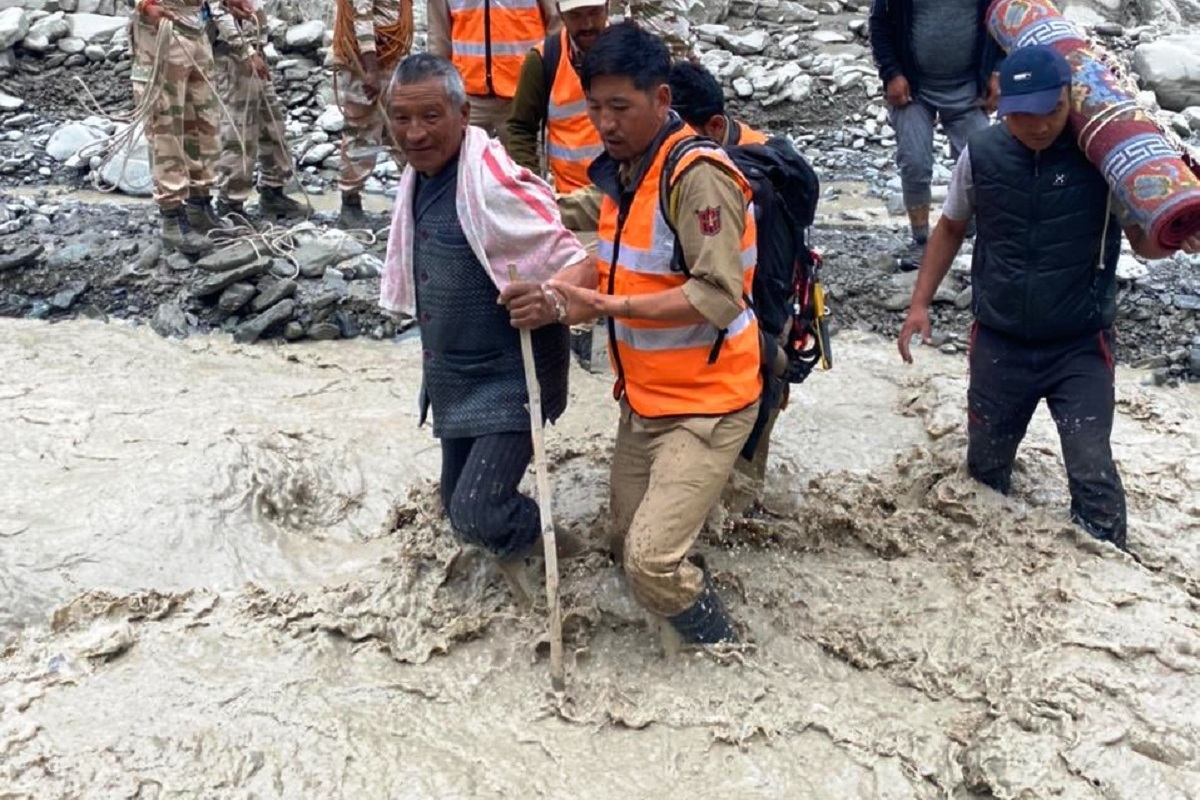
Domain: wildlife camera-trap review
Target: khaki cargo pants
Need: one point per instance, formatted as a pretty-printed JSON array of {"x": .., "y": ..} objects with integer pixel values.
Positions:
[{"x": 666, "y": 475}]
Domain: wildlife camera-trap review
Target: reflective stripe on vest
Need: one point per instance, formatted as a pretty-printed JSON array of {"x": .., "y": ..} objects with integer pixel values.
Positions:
[
  {"x": 678, "y": 337},
  {"x": 489, "y": 42},
  {"x": 666, "y": 368},
  {"x": 571, "y": 139},
  {"x": 651, "y": 261}
]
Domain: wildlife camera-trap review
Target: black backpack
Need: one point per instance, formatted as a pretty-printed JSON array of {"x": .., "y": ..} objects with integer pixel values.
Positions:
[
  {"x": 786, "y": 279},
  {"x": 787, "y": 275}
]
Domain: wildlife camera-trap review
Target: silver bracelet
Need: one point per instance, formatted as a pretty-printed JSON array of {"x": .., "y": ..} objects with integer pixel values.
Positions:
[{"x": 560, "y": 309}]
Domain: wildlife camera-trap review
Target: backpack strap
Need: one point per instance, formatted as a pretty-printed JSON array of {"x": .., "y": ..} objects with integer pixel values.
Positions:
[
  {"x": 666, "y": 182},
  {"x": 551, "y": 55},
  {"x": 666, "y": 179}
]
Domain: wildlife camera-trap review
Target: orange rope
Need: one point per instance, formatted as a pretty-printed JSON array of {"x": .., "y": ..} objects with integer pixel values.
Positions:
[{"x": 392, "y": 42}]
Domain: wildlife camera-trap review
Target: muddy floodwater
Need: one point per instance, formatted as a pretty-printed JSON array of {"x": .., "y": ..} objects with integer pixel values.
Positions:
[{"x": 223, "y": 574}]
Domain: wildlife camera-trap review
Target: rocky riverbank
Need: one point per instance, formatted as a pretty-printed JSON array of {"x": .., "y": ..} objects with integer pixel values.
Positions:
[{"x": 800, "y": 70}]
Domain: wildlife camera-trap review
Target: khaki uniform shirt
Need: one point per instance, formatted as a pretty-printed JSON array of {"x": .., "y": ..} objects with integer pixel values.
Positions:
[{"x": 715, "y": 262}]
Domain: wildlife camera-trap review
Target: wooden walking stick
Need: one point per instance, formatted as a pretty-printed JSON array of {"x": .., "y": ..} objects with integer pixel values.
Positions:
[{"x": 557, "y": 679}]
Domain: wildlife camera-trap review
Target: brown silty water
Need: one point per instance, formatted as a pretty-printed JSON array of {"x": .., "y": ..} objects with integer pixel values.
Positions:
[{"x": 223, "y": 574}]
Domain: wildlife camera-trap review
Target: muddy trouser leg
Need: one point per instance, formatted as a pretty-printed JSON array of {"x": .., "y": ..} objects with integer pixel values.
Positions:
[
  {"x": 479, "y": 490},
  {"x": 629, "y": 475},
  {"x": 1082, "y": 402},
  {"x": 202, "y": 119},
  {"x": 239, "y": 139},
  {"x": 746, "y": 481},
  {"x": 689, "y": 463},
  {"x": 914, "y": 151},
  {"x": 491, "y": 114},
  {"x": 1001, "y": 399}
]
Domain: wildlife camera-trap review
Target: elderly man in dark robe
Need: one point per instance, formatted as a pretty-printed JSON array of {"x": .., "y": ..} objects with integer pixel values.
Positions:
[{"x": 464, "y": 213}]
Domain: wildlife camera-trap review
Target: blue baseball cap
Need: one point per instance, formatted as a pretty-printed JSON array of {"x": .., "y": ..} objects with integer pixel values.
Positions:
[{"x": 1031, "y": 80}]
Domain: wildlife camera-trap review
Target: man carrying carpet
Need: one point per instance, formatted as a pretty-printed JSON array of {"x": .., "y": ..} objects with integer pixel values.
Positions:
[{"x": 1044, "y": 288}]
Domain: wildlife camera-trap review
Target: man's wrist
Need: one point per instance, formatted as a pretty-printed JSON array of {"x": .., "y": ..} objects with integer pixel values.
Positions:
[
  {"x": 556, "y": 303},
  {"x": 607, "y": 305}
]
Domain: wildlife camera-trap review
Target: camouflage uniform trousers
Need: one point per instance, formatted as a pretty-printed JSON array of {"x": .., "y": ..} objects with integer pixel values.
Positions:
[
  {"x": 181, "y": 130},
  {"x": 254, "y": 134},
  {"x": 364, "y": 128}
]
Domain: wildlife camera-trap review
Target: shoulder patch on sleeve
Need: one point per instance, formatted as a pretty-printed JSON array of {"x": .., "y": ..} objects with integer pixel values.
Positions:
[{"x": 710, "y": 220}]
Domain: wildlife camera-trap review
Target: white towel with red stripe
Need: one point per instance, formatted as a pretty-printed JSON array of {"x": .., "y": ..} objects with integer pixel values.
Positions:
[{"x": 508, "y": 214}]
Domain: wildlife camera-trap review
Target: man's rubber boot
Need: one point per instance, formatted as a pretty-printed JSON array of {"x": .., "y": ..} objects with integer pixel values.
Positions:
[
  {"x": 230, "y": 208},
  {"x": 352, "y": 216},
  {"x": 178, "y": 235},
  {"x": 706, "y": 621},
  {"x": 201, "y": 215},
  {"x": 1117, "y": 537},
  {"x": 272, "y": 202}
]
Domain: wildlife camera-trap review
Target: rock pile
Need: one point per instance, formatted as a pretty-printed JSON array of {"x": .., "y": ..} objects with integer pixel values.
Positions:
[
  {"x": 800, "y": 69},
  {"x": 103, "y": 260}
]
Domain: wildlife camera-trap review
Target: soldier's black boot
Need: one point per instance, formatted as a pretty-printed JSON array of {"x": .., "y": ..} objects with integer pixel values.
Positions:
[
  {"x": 352, "y": 216},
  {"x": 177, "y": 234},
  {"x": 230, "y": 208},
  {"x": 202, "y": 216},
  {"x": 272, "y": 202}
]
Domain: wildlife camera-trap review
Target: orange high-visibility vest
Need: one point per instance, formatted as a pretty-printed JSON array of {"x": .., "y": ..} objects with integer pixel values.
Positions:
[
  {"x": 747, "y": 135},
  {"x": 571, "y": 139},
  {"x": 670, "y": 369},
  {"x": 489, "y": 40}
]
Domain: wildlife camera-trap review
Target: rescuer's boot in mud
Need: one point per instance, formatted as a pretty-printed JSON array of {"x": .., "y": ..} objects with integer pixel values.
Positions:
[{"x": 706, "y": 621}]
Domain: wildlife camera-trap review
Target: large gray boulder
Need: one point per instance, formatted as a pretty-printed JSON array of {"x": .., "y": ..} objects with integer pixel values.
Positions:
[
  {"x": 14, "y": 24},
  {"x": 1170, "y": 67},
  {"x": 70, "y": 139},
  {"x": 129, "y": 169},
  {"x": 45, "y": 32},
  {"x": 1131, "y": 12},
  {"x": 305, "y": 35},
  {"x": 95, "y": 28},
  {"x": 1093, "y": 12}
]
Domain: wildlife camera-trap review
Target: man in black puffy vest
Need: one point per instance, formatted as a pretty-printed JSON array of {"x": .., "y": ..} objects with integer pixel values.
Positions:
[{"x": 1044, "y": 290}]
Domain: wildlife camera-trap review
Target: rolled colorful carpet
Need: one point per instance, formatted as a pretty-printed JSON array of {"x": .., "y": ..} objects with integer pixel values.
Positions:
[{"x": 1148, "y": 168}]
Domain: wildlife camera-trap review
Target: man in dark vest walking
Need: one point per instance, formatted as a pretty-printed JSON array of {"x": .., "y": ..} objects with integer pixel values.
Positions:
[
  {"x": 464, "y": 213},
  {"x": 1044, "y": 289}
]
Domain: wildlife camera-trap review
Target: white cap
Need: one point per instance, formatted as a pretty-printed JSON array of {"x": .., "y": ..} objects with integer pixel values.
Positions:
[{"x": 571, "y": 5}]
